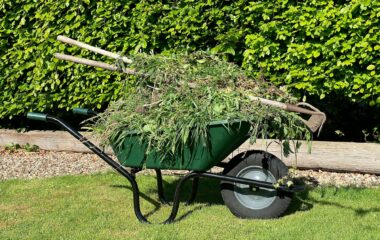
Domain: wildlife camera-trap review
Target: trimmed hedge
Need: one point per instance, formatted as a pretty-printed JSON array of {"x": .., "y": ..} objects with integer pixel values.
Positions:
[
  {"x": 314, "y": 47},
  {"x": 319, "y": 47}
]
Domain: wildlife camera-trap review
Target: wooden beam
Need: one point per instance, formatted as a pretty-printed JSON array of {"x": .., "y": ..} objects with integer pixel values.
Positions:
[
  {"x": 336, "y": 156},
  {"x": 47, "y": 140}
]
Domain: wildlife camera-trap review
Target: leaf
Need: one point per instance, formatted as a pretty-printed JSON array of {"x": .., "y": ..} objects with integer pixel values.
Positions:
[
  {"x": 216, "y": 49},
  {"x": 230, "y": 50},
  {"x": 370, "y": 67},
  {"x": 316, "y": 54},
  {"x": 69, "y": 17},
  {"x": 218, "y": 108},
  {"x": 22, "y": 22}
]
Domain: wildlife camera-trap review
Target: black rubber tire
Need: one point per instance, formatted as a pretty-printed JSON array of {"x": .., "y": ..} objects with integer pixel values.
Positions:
[{"x": 269, "y": 163}]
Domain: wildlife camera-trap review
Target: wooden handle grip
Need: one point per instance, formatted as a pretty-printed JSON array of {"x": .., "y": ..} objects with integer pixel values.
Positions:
[
  {"x": 92, "y": 63},
  {"x": 73, "y": 42},
  {"x": 85, "y": 61}
]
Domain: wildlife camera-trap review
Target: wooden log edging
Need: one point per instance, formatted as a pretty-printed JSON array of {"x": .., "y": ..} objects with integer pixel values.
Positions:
[
  {"x": 47, "y": 140},
  {"x": 333, "y": 156}
]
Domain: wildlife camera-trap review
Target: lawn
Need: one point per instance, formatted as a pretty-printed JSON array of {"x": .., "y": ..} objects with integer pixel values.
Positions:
[{"x": 100, "y": 207}]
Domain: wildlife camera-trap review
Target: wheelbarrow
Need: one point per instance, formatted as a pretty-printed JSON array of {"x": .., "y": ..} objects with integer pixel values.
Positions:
[{"x": 249, "y": 181}]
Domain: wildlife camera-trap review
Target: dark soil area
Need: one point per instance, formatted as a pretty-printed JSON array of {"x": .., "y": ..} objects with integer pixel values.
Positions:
[{"x": 346, "y": 120}]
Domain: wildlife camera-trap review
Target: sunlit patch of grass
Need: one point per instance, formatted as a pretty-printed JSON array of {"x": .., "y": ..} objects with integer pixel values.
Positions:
[{"x": 100, "y": 207}]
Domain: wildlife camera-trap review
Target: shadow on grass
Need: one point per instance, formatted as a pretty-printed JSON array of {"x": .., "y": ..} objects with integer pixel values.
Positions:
[
  {"x": 300, "y": 201},
  {"x": 209, "y": 194},
  {"x": 360, "y": 212},
  {"x": 156, "y": 204},
  {"x": 303, "y": 202}
]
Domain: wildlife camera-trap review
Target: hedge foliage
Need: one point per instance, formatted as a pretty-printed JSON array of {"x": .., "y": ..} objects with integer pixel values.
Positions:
[
  {"x": 315, "y": 47},
  {"x": 319, "y": 47}
]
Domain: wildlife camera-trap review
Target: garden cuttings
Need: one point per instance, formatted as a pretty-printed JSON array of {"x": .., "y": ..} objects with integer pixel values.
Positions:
[{"x": 176, "y": 96}]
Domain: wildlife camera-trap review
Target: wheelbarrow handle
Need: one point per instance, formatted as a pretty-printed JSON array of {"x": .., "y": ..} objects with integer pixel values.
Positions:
[
  {"x": 285, "y": 106},
  {"x": 70, "y": 41},
  {"x": 315, "y": 122},
  {"x": 92, "y": 63},
  {"x": 84, "y": 111},
  {"x": 37, "y": 116}
]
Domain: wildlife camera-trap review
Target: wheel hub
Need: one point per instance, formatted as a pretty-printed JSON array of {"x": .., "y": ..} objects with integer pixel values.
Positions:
[{"x": 254, "y": 197}]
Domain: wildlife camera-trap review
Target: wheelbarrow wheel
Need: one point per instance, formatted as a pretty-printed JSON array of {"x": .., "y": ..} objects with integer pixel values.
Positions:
[{"x": 247, "y": 202}]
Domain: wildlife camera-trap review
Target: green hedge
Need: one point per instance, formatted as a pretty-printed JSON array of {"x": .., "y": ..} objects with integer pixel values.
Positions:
[
  {"x": 315, "y": 47},
  {"x": 319, "y": 47}
]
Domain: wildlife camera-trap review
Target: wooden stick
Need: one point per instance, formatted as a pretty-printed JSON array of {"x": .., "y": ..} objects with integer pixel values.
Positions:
[
  {"x": 315, "y": 122},
  {"x": 68, "y": 40},
  {"x": 268, "y": 102},
  {"x": 285, "y": 106},
  {"x": 92, "y": 63}
]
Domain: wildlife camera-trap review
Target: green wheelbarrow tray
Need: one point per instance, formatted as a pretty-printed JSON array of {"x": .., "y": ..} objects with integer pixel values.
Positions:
[{"x": 224, "y": 138}]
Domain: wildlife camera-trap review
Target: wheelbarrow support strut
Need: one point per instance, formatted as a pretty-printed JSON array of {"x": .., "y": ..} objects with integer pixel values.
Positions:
[{"x": 130, "y": 177}]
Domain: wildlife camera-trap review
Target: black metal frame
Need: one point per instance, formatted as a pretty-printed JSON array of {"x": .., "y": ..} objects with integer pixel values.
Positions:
[{"x": 130, "y": 176}]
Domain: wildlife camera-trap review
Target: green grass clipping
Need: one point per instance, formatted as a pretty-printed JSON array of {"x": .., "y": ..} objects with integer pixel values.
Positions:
[{"x": 176, "y": 96}]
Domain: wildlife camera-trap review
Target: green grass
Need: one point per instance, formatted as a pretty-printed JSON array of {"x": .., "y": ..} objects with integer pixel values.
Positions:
[{"x": 100, "y": 207}]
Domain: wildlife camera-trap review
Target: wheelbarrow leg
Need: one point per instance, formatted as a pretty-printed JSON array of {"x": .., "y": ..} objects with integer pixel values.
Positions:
[
  {"x": 194, "y": 190},
  {"x": 119, "y": 168},
  {"x": 177, "y": 193},
  {"x": 160, "y": 190}
]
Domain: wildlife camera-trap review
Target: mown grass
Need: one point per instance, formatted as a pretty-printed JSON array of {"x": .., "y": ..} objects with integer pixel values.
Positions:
[{"x": 100, "y": 207}]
